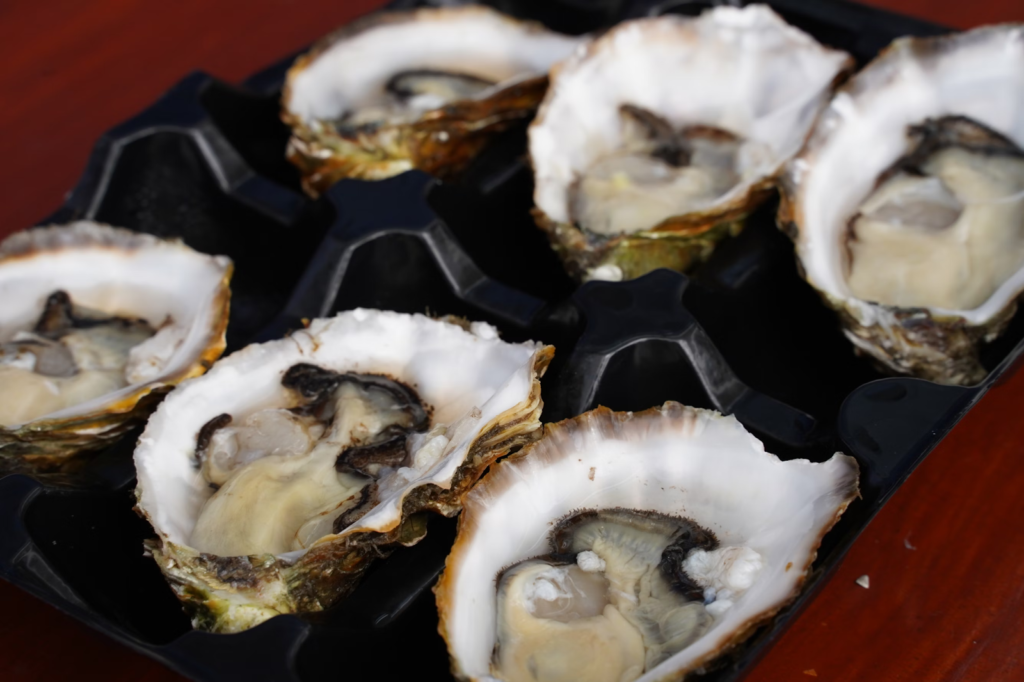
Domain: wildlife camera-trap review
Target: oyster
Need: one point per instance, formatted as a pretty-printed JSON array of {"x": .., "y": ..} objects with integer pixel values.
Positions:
[
  {"x": 273, "y": 481},
  {"x": 97, "y": 323},
  {"x": 419, "y": 89},
  {"x": 655, "y": 141},
  {"x": 907, "y": 204},
  {"x": 622, "y": 546}
]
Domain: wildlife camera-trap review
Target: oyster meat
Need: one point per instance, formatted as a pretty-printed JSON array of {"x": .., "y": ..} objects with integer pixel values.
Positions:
[
  {"x": 419, "y": 89},
  {"x": 71, "y": 356},
  {"x": 274, "y": 481},
  {"x": 657, "y": 139},
  {"x": 945, "y": 226},
  {"x": 659, "y": 172},
  {"x": 907, "y": 204},
  {"x": 280, "y": 481},
  {"x": 626, "y": 546},
  {"x": 96, "y": 324}
]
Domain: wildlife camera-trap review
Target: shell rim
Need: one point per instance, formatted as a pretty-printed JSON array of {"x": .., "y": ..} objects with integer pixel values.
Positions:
[
  {"x": 791, "y": 195},
  {"x": 382, "y": 19},
  {"x": 216, "y": 337},
  {"x": 758, "y": 190},
  {"x": 444, "y": 589},
  {"x": 538, "y": 362}
]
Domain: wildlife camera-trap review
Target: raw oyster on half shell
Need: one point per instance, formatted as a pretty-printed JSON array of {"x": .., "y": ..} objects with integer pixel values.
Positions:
[
  {"x": 276, "y": 479},
  {"x": 626, "y": 546},
  {"x": 907, "y": 204},
  {"x": 97, "y": 323},
  {"x": 419, "y": 89},
  {"x": 659, "y": 137}
]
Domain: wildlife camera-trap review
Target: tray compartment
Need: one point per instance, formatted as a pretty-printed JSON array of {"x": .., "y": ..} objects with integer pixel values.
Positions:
[{"x": 743, "y": 334}]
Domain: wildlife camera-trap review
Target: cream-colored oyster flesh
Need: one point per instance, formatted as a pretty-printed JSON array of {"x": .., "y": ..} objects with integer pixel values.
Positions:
[
  {"x": 415, "y": 89},
  {"x": 657, "y": 138},
  {"x": 538, "y": 640},
  {"x": 906, "y": 204},
  {"x": 302, "y": 460},
  {"x": 281, "y": 482},
  {"x": 71, "y": 355},
  {"x": 95, "y": 319},
  {"x": 408, "y": 95},
  {"x": 626, "y": 546},
  {"x": 552, "y": 615},
  {"x": 947, "y": 231},
  {"x": 659, "y": 172}
]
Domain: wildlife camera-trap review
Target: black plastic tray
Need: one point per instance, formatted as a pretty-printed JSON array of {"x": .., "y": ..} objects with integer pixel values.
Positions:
[{"x": 744, "y": 334}]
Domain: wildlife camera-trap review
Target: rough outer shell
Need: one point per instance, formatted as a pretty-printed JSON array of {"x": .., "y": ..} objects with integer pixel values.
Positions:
[
  {"x": 715, "y": 70},
  {"x": 978, "y": 74},
  {"x": 673, "y": 459},
  {"x": 364, "y": 54},
  {"x": 465, "y": 372},
  {"x": 119, "y": 272}
]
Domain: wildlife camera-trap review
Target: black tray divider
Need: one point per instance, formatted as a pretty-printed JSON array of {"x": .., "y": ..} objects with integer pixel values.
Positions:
[
  {"x": 179, "y": 111},
  {"x": 621, "y": 314},
  {"x": 265, "y": 653},
  {"x": 369, "y": 210},
  {"x": 891, "y": 424},
  {"x": 20, "y": 559},
  {"x": 270, "y": 79},
  {"x": 874, "y": 27},
  {"x": 685, "y": 6}
]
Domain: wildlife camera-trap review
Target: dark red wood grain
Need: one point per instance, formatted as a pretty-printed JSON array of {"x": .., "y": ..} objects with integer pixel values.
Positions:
[
  {"x": 946, "y": 569},
  {"x": 945, "y": 557}
]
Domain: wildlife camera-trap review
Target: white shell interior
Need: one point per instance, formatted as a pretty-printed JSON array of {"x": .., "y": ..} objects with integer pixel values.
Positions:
[
  {"x": 471, "y": 40},
  {"x": 155, "y": 280},
  {"x": 744, "y": 70},
  {"x": 979, "y": 74},
  {"x": 468, "y": 377},
  {"x": 699, "y": 465}
]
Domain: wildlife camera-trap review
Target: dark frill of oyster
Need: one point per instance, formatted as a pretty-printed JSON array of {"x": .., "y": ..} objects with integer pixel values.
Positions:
[{"x": 685, "y": 536}]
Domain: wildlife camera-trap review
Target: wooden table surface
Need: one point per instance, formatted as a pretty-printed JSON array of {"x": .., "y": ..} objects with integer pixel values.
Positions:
[{"x": 945, "y": 557}]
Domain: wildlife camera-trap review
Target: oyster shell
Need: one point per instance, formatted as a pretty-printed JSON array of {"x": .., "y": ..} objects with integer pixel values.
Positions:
[
  {"x": 97, "y": 324},
  {"x": 907, "y": 203},
  {"x": 419, "y": 89},
  {"x": 657, "y": 139},
  {"x": 276, "y": 479},
  {"x": 647, "y": 543}
]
